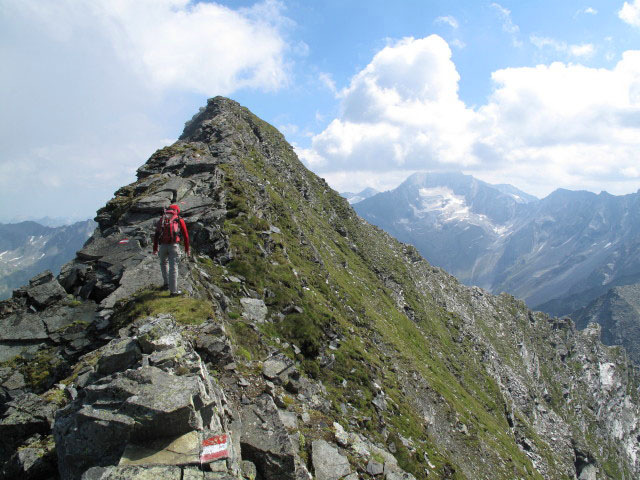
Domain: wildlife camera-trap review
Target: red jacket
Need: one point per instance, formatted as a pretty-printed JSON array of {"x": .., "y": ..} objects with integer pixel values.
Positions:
[{"x": 183, "y": 230}]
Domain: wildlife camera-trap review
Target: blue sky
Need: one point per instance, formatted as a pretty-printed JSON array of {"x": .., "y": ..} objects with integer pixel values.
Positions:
[{"x": 540, "y": 94}]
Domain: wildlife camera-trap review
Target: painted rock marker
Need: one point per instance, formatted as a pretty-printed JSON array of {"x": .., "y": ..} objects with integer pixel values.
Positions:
[{"x": 214, "y": 448}]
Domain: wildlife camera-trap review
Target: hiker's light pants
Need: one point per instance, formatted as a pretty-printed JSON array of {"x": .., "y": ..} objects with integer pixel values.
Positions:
[{"x": 169, "y": 254}]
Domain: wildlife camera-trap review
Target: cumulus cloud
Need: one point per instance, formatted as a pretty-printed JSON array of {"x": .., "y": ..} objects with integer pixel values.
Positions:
[
  {"x": 630, "y": 13},
  {"x": 94, "y": 85},
  {"x": 542, "y": 127},
  {"x": 401, "y": 112}
]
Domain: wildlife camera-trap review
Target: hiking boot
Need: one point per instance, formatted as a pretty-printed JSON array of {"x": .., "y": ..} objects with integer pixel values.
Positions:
[{"x": 176, "y": 294}]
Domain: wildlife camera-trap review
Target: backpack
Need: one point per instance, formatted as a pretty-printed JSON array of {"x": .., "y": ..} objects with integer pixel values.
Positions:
[{"x": 168, "y": 228}]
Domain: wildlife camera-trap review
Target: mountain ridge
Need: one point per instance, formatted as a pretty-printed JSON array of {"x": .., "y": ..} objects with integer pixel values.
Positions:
[{"x": 302, "y": 320}]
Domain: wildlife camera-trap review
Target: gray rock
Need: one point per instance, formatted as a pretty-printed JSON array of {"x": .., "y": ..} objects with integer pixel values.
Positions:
[
  {"x": 160, "y": 333},
  {"x": 35, "y": 460},
  {"x": 45, "y": 294},
  {"x": 342, "y": 437},
  {"x": 398, "y": 475},
  {"x": 15, "y": 381},
  {"x": 265, "y": 440},
  {"x": 61, "y": 317},
  {"x": 22, "y": 326},
  {"x": 289, "y": 419},
  {"x": 134, "y": 472},
  {"x": 138, "y": 407},
  {"x": 183, "y": 450},
  {"x": 118, "y": 355},
  {"x": 255, "y": 309},
  {"x": 328, "y": 463},
  {"x": 25, "y": 416},
  {"x": 41, "y": 278},
  {"x": 277, "y": 368},
  {"x": 144, "y": 274},
  {"x": 375, "y": 468},
  {"x": 89, "y": 437},
  {"x": 249, "y": 470},
  {"x": 379, "y": 402},
  {"x": 215, "y": 349}
]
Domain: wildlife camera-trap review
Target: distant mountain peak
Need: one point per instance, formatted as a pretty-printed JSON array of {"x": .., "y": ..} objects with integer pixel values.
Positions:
[{"x": 358, "y": 197}]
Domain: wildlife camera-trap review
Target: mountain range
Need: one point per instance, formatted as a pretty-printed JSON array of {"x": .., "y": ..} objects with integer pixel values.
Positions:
[
  {"x": 309, "y": 344},
  {"x": 28, "y": 248},
  {"x": 557, "y": 254}
]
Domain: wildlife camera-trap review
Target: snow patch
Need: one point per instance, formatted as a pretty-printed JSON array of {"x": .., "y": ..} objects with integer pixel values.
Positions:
[
  {"x": 442, "y": 204},
  {"x": 443, "y": 200}
]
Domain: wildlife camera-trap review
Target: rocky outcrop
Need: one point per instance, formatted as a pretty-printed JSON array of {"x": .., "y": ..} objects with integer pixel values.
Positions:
[
  {"x": 150, "y": 390},
  {"x": 618, "y": 314}
]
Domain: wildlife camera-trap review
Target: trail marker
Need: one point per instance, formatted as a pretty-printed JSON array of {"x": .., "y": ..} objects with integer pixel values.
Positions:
[{"x": 214, "y": 448}]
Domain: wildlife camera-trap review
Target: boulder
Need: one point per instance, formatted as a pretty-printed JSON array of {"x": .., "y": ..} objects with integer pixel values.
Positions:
[
  {"x": 255, "y": 309},
  {"x": 328, "y": 463},
  {"x": 24, "y": 416},
  {"x": 44, "y": 294},
  {"x": 398, "y": 475},
  {"x": 159, "y": 333},
  {"x": 118, "y": 355},
  {"x": 277, "y": 368},
  {"x": 34, "y": 460},
  {"x": 214, "y": 349},
  {"x": 265, "y": 441},
  {"x": 374, "y": 468},
  {"x": 22, "y": 326}
]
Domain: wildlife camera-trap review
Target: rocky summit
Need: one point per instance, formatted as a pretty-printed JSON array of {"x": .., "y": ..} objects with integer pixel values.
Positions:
[{"x": 308, "y": 344}]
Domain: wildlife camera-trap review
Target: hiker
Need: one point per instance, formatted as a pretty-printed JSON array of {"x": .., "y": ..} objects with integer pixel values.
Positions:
[{"x": 170, "y": 230}]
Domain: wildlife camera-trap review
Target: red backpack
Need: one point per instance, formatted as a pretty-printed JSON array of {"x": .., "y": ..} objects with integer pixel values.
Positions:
[{"x": 168, "y": 228}]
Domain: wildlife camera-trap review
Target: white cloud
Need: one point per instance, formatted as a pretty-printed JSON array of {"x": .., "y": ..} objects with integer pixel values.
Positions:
[
  {"x": 507, "y": 23},
  {"x": 587, "y": 11},
  {"x": 95, "y": 85},
  {"x": 584, "y": 50},
  {"x": 448, "y": 20},
  {"x": 630, "y": 13},
  {"x": 401, "y": 112},
  {"x": 327, "y": 80},
  {"x": 543, "y": 127}
]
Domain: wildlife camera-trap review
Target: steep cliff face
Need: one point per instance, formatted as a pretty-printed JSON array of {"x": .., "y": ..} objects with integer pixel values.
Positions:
[
  {"x": 310, "y": 344},
  {"x": 618, "y": 313}
]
